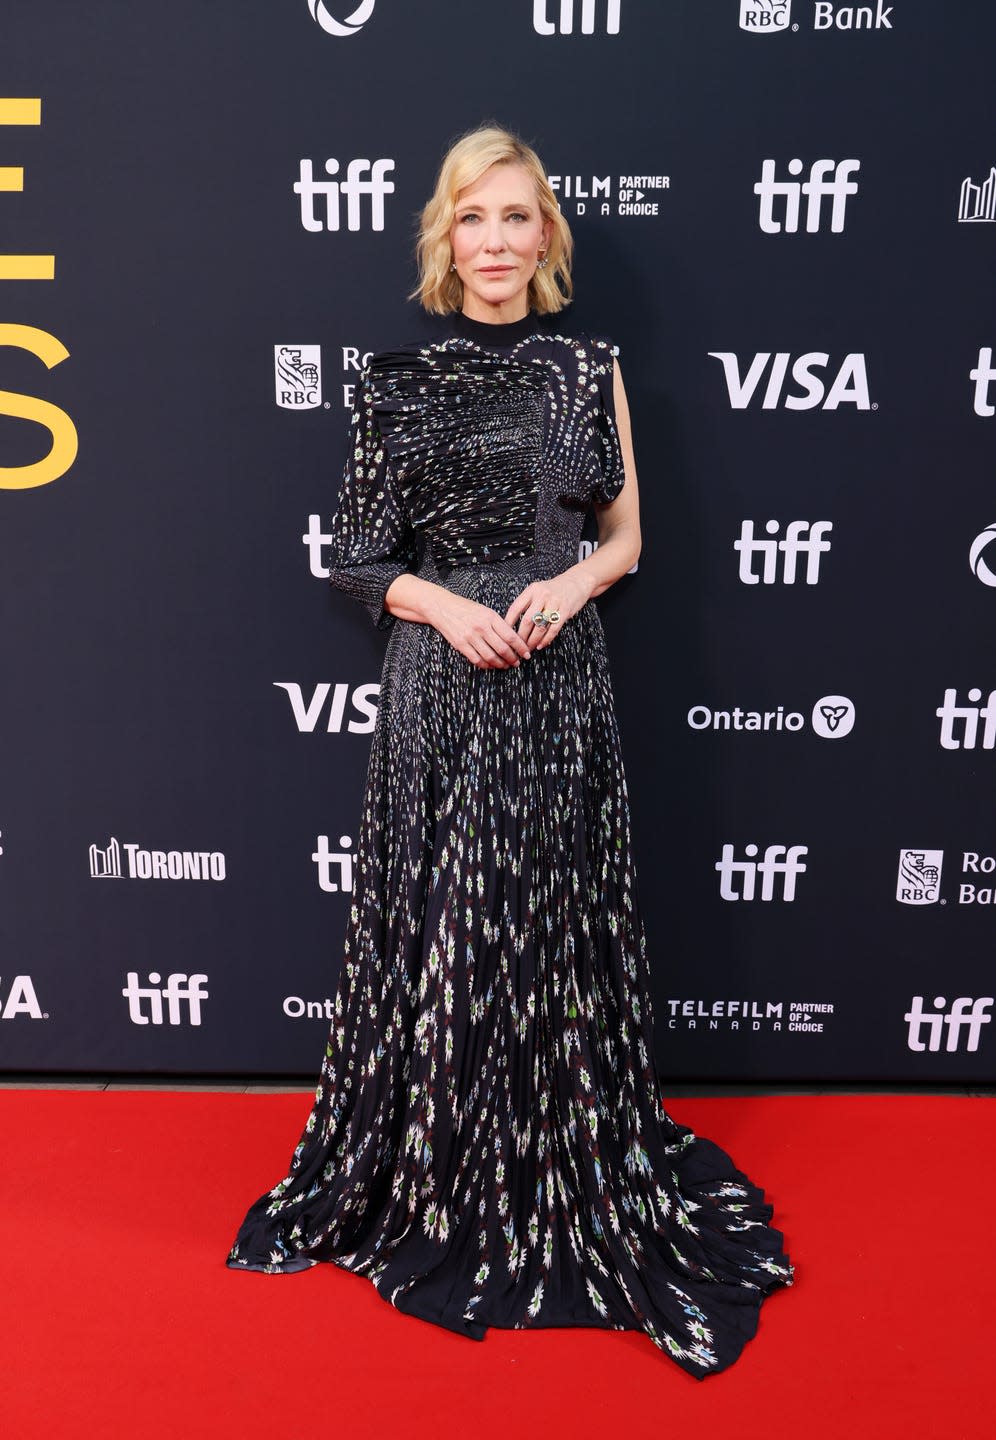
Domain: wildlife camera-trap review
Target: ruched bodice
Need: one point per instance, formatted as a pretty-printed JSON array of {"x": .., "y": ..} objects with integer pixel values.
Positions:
[{"x": 465, "y": 454}]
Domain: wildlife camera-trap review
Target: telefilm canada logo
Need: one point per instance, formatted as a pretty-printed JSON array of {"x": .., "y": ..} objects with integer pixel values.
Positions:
[
  {"x": 142, "y": 864},
  {"x": 809, "y": 382},
  {"x": 919, "y": 881},
  {"x": 558, "y": 17},
  {"x": 326, "y": 13},
  {"x": 831, "y": 718},
  {"x": 297, "y": 374},
  {"x": 967, "y": 1016},
  {"x": 977, "y": 203},
  {"x": 780, "y": 201},
  {"x": 364, "y": 189},
  {"x": 610, "y": 195},
  {"x": 807, "y": 1017}
]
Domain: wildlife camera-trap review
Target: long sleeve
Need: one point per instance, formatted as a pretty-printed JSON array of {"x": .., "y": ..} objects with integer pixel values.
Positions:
[
  {"x": 612, "y": 468},
  {"x": 373, "y": 541}
]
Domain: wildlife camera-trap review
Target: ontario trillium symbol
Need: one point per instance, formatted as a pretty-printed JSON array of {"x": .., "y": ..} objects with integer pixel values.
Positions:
[{"x": 833, "y": 715}]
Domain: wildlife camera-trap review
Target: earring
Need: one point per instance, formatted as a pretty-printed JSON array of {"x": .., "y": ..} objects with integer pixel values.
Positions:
[
  {"x": 452, "y": 266},
  {"x": 542, "y": 264}
]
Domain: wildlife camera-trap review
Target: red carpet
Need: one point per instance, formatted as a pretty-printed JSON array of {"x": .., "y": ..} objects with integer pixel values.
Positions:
[{"x": 121, "y": 1319}]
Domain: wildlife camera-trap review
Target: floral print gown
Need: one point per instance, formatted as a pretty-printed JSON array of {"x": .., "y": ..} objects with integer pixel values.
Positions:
[{"x": 488, "y": 1142}]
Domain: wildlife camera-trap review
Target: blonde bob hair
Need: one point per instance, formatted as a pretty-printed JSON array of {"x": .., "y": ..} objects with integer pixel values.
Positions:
[{"x": 440, "y": 289}]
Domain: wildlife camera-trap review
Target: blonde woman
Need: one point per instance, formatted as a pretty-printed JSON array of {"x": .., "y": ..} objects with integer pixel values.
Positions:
[{"x": 488, "y": 1143}]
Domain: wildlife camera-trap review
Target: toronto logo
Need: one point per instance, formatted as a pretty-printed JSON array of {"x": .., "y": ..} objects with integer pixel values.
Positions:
[
  {"x": 349, "y": 25},
  {"x": 978, "y": 202}
]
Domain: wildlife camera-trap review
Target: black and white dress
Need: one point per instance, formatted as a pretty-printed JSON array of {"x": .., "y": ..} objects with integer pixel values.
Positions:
[{"x": 488, "y": 1142}]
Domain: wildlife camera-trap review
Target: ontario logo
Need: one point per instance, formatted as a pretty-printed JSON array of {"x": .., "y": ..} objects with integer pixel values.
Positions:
[
  {"x": 321, "y": 13},
  {"x": 764, "y": 17},
  {"x": 297, "y": 373},
  {"x": 919, "y": 880}
]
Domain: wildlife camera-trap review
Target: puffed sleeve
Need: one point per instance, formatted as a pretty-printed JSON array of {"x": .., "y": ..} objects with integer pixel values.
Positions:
[
  {"x": 373, "y": 541},
  {"x": 613, "y": 474}
]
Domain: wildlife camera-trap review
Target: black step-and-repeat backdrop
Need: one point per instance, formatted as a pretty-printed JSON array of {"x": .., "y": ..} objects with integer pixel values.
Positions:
[{"x": 785, "y": 215}]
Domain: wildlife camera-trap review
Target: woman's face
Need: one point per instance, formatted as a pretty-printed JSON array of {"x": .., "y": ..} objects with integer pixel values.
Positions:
[{"x": 497, "y": 235}]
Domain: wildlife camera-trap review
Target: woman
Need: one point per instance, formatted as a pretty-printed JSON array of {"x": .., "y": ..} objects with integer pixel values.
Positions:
[{"x": 488, "y": 1143}]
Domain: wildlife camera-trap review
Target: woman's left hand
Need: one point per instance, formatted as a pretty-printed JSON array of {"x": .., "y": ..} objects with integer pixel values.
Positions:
[{"x": 566, "y": 594}]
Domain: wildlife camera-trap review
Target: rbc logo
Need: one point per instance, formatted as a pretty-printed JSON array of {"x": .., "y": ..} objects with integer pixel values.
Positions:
[
  {"x": 768, "y": 868},
  {"x": 178, "y": 991},
  {"x": 919, "y": 881},
  {"x": 298, "y": 376},
  {"x": 816, "y": 189},
  {"x": 764, "y": 17}
]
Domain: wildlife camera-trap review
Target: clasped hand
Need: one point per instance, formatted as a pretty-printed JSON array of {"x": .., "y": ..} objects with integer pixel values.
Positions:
[{"x": 499, "y": 642}]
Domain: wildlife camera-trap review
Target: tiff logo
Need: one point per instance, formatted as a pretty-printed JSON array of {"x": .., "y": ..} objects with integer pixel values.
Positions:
[
  {"x": 564, "y": 24},
  {"x": 978, "y": 202},
  {"x": 816, "y": 189},
  {"x": 848, "y": 387},
  {"x": 353, "y": 188},
  {"x": 179, "y": 991},
  {"x": 797, "y": 542},
  {"x": 966, "y": 1013},
  {"x": 969, "y": 715},
  {"x": 984, "y": 375},
  {"x": 339, "y": 861},
  {"x": 769, "y": 869}
]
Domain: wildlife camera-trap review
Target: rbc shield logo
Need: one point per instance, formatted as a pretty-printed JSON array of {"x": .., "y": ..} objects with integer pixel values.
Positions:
[
  {"x": 764, "y": 17},
  {"x": 298, "y": 376},
  {"x": 919, "y": 880}
]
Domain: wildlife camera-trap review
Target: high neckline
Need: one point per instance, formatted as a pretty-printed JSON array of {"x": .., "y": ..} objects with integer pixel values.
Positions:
[{"x": 505, "y": 332}]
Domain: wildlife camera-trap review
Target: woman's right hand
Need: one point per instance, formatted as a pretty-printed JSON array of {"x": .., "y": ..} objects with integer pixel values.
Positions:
[{"x": 478, "y": 632}]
